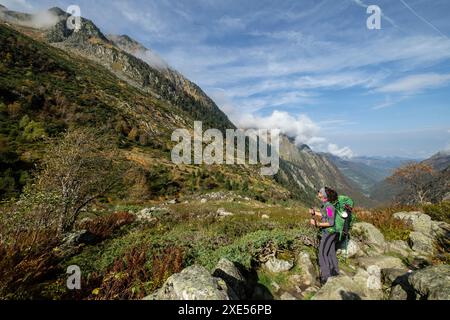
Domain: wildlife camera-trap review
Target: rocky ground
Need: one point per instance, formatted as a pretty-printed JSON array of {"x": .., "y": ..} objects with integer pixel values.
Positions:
[{"x": 372, "y": 268}]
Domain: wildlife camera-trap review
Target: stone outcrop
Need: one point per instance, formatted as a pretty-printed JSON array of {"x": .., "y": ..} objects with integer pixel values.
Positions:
[
  {"x": 228, "y": 272},
  {"x": 194, "y": 283},
  {"x": 370, "y": 235},
  {"x": 432, "y": 283},
  {"x": 277, "y": 265},
  {"x": 358, "y": 287}
]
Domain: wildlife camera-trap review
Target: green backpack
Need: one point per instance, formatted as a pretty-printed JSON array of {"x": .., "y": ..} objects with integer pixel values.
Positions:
[{"x": 344, "y": 217}]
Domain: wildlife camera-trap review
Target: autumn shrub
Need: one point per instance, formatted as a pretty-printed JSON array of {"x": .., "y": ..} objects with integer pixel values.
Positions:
[
  {"x": 26, "y": 263},
  {"x": 438, "y": 211},
  {"x": 135, "y": 275},
  {"x": 126, "y": 279},
  {"x": 103, "y": 227},
  {"x": 166, "y": 263},
  {"x": 383, "y": 219}
]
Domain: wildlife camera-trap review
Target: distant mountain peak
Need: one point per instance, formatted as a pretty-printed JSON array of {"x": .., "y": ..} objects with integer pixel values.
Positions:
[
  {"x": 135, "y": 48},
  {"x": 57, "y": 11}
]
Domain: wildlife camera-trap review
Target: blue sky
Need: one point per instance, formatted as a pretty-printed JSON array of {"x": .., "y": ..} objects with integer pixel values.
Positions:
[{"x": 310, "y": 67}]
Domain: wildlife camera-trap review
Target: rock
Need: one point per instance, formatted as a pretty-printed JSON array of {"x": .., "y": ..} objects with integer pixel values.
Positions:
[
  {"x": 203, "y": 200},
  {"x": 343, "y": 287},
  {"x": 399, "y": 293},
  {"x": 146, "y": 214},
  {"x": 80, "y": 237},
  {"x": 390, "y": 275},
  {"x": 440, "y": 229},
  {"x": 193, "y": 283},
  {"x": 372, "y": 236},
  {"x": 73, "y": 242},
  {"x": 310, "y": 291},
  {"x": 374, "y": 279},
  {"x": 421, "y": 243},
  {"x": 397, "y": 279},
  {"x": 309, "y": 274},
  {"x": 265, "y": 216},
  {"x": 381, "y": 261},
  {"x": 276, "y": 265},
  {"x": 446, "y": 197},
  {"x": 432, "y": 283},
  {"x": 227, "y": 271},
  {"x": 276, "y": 287},
  {"x": 173, "y": 201},
  {"x": 353, "y": 249},
  {"x": 222, "y": 213},
  {"x": 399, "y": 247},
  {"x": 287, "y": 296},
  {"x": 419, "y": 221}
]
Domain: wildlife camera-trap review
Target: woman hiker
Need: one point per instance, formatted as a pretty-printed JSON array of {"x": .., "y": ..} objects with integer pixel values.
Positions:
[{"x": 327, "y": 249}]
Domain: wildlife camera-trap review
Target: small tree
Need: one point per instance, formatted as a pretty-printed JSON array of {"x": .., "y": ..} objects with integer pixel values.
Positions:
[
  {"x": 80, "y": 168},
  {"x": 414, "y": 178},
  {"x": 75, "y": 170}
]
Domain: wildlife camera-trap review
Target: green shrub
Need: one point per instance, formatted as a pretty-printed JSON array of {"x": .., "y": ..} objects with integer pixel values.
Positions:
[
  {"x": 33, "y": 131},
  {"x": 440, "y": 211}
]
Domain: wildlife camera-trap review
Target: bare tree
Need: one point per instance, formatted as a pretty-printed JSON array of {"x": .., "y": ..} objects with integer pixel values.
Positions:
[
  {"x": 414, "y": 178},
  {"x": 78, "y": 169}
]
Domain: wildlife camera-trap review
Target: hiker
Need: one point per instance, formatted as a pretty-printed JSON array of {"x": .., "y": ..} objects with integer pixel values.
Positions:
[{"x": 327, "y": 249}]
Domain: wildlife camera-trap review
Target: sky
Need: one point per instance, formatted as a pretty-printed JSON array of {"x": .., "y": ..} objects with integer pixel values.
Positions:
[{"x": 309, "y": 67}]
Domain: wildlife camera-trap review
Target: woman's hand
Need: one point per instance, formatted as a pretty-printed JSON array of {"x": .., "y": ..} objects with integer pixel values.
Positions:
[{"x": 317, "y": 213}]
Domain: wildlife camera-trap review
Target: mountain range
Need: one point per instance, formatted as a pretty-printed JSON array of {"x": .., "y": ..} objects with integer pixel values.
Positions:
[{"x": 57, "y": 78}]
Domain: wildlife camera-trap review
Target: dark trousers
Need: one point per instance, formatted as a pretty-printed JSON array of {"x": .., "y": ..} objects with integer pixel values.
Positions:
[{"x": 327, "y": 256}]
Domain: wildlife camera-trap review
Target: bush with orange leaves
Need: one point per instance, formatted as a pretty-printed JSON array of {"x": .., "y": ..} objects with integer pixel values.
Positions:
[
  {"x": 103, "y": 227},
  {"x": 383, "y": 219},
  {"x": 26, "y": 263},
  {"x": 414, "y": 178},
  {"x": 135, "y": 275}
]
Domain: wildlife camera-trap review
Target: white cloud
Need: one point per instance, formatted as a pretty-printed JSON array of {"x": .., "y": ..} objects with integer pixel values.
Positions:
[
  {"x": 17, "y": 4},
  {"x": 151, "y": 58},
  {"x": 416, "y": 83},
  {"x": 301, "y": 128},
  {"x": 42, "y": 19},
  {"x": 344, "y": 152}
]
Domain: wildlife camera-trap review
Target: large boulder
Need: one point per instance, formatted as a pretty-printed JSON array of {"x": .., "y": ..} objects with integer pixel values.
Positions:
[
  {"x": 419, "y": 221},
  {"x": 381, "y": 261},
  {"x": 399, "y": 247},
  {"x": 352, "y": 250},
  {"x": 421, "y": 243},
  {"x": 370, "y": 235},
  {"x": 277, "y": 265},
  {"x": 440, "y": 229},
  {"x": 397, "y": 281},
  {"x": 432, "y": 283},
  {"x": 227, "y": 271},
  {"x": 358, "y": 287},
  {"x": 194, "y": 283}
]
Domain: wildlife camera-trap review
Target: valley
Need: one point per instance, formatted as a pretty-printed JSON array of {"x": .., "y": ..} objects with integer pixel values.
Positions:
[{"x": 87, "y": 179}]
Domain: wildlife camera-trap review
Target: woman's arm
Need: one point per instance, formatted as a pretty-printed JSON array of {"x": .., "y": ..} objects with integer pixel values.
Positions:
[{"x": 320, "y": 224}]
